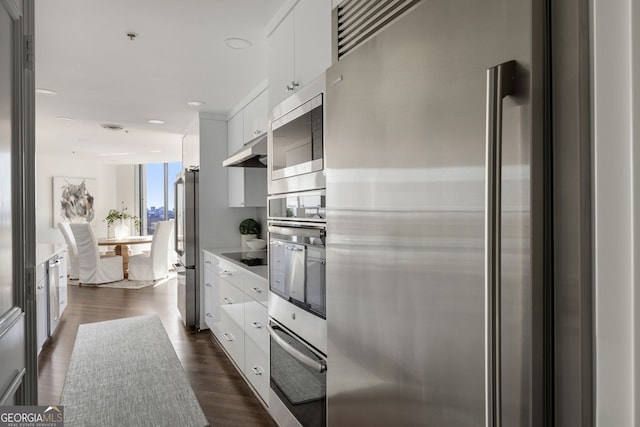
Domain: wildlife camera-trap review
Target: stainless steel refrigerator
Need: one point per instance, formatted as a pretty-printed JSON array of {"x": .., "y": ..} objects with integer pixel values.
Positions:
[
  {"x": 188, "y": 247},
  {"x": 435, "y": 216}
]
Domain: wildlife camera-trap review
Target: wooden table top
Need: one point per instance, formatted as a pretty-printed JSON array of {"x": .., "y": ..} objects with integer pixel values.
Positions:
[{"x": 131, "y": 240}]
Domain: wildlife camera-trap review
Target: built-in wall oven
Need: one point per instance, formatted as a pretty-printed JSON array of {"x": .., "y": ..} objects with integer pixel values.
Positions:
[
  {"x": 297, "y": 307},
  {"x": 297, "y": 232},
  {"x": 298, "y": 379},
  {"x": 296, "y": 141}
]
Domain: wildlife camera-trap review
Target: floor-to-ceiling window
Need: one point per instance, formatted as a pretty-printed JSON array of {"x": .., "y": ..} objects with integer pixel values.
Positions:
[{"x": 157, "y": 193}]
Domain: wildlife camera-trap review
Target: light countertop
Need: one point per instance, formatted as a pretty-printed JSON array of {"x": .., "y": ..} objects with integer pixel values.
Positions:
[
  {"x": 44, "y": 251},
  {"x": 259, "y": 270}
]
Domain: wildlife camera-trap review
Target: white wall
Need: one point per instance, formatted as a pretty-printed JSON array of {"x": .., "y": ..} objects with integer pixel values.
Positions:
[
  {"x": 616, "y": 85},
  {"x": 218, "y": 222},
  {"x": 49, "y": 165},
  {"x": 125, "y": 188}
]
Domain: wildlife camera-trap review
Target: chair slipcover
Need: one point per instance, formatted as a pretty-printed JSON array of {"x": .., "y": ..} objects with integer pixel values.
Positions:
[
  {"x": 154, "y": 265},
  {"x": 73, "y": 249},
  {"x": 91, "y": 267}
]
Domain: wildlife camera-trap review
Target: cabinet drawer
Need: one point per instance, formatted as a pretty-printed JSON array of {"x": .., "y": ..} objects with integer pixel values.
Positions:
[
  {"x": 256, "y": 288},
  {"x": 231, "y": 336},
  {"x": 255, "y": 324},
  {"x": 209, "y": 260},
  {"x": 256, "y": 369},
  {"x": 231, "y": 273},
  {"x": 232, "y": 303},
  {"x": 208, "y": 303}
]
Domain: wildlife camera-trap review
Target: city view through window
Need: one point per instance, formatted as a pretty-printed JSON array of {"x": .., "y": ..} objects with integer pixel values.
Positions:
[{"x": 155, "y": 197}]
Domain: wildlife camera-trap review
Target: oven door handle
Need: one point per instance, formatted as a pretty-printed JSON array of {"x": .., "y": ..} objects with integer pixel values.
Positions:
[
  {"x": 302, "y": 232},
  {"x": 319, "y": 366}
]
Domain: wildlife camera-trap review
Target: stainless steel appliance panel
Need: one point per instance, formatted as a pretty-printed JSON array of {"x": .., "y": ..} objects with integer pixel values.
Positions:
[
  {"x": 188, "y": 247},
  {"x": 295, "y": 260},
  {"x": 300, "y": 175},
  {"x": 304, "y": 206},
  {"x": 297, "y": 257},
  {"x": 405, "y": 156}
]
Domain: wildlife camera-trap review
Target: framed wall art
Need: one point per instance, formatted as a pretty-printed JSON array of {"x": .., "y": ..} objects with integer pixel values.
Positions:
[{"x": 73, "y": 199}]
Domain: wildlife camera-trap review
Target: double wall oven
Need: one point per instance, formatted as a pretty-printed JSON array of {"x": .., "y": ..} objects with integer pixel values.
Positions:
[
  {"x": 297, "y": 307},
  {"x": 297, "y": 235}
]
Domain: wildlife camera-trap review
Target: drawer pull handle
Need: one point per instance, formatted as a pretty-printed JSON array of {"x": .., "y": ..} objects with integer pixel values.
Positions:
[
  {"x": 257, "y": 325},
  {"x": 257, "y": 370},
  {"x": 256, "y": 290},
  {"x": 228, "y": 300},
  {"x": 207, "y": 262},
  {"x": 208, "y": 284},
  {"x": 226, "y": 273},
  {"x": 209, "y": 315},
  {"x": 228, "y": 336}
]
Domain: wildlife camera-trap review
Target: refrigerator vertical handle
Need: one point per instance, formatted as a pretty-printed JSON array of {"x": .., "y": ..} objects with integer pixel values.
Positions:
[
  {"x": 500, "y": 83},
  {"x": 177, "y": 214}
]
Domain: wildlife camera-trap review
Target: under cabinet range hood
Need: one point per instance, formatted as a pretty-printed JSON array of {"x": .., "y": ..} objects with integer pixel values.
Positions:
[{"x": 251, "y": 155}]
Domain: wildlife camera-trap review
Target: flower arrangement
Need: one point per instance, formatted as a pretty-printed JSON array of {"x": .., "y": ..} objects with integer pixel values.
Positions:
[{"x": 115, "y": 214}]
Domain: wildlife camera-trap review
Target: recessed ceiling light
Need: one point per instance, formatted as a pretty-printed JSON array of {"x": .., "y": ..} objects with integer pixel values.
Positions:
[
  {"x": 111, "y": 126},
  {"x": 155, "y": 151},
  {"x": 237, "y": 43},
  {"x": 44, "y": 91},
  {"x": 66, "y": 119},
  {"x": 156, "y": 122},
  {"x": 196, "y": 103}
]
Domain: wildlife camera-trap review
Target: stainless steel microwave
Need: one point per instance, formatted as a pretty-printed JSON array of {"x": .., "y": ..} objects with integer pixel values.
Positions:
[{"x": 295, "y": 150}]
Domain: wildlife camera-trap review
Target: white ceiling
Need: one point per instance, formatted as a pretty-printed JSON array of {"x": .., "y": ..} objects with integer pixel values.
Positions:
[{"x": 101, "y": 76}]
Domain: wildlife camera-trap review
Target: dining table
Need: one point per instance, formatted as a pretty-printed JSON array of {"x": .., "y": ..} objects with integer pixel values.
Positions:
[{"x": 121, "y": 245}]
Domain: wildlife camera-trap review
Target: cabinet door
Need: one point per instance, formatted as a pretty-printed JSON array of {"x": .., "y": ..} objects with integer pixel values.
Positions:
[
  {"x": 231, "y": 333},
  {"x": 42, "y": 316},
  {"x": 209, "y": 299},
  {"x": 235, "y": 131},
  {"x": 191, "y": 150},
  {"x": 256, "y": 369},
  {"x": 281, "y": 67},
  {"x": 256, "y": 117},
  {"x": 235, "y": 175},
  {"x": 312, "y": 39},
  {"x": 62, "y": 282}
]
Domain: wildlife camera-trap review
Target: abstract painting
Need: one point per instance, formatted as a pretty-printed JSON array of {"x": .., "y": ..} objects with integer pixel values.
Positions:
[{"x": 73, "y": 199}]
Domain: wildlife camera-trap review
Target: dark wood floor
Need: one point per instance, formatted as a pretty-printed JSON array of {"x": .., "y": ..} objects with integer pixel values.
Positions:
[{"x": 224, "y": 396}]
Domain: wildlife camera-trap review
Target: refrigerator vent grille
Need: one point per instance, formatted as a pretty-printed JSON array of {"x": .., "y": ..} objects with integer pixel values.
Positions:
[{"x": 358, "y": 20}]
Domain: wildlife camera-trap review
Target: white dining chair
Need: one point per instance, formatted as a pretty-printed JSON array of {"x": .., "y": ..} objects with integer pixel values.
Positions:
[
  {"x": 155, "y": 264},
  {"x": 93, "y": 269},
  {"x": 73, "y": 249}
]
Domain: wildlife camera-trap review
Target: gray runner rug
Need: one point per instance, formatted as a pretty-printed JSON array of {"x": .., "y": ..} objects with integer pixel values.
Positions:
[{"x": 125, "y": 372}]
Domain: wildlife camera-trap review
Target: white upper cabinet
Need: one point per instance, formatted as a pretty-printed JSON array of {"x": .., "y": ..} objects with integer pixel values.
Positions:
[
  {"x": 312, "y": 39},
  {"x": 235, "y": 129},
  {"x": 247, "y": 186},
  {"x": 255, "y": 117},
  {"x": 299, "y": 48},
  {"x": 281, "y": 62},
  {"x": 191, "y": 147}
]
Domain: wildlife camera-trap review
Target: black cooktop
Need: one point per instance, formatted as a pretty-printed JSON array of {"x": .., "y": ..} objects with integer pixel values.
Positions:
[{"x": 250, "y": 258}]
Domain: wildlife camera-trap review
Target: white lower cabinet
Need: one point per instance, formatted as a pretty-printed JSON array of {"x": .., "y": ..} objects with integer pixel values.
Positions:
[
  {"x": 236, "y": 312},
  {"x": 62, "y": 281},
  {"x": 41, "y": 306}
]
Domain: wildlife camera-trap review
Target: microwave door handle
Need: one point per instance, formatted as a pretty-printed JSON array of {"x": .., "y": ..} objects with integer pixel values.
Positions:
[
  {"x": 319, "y": 366},
  {"x": 302, "y": 232}
]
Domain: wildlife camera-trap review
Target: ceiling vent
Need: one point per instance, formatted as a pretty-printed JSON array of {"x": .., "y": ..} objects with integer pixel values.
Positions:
[
  {"x": 358, "y": 20},
  {"x": 112, "y": 127}
]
